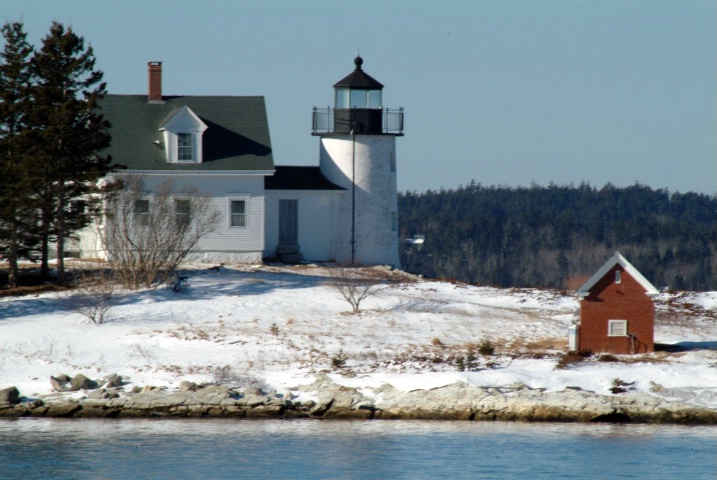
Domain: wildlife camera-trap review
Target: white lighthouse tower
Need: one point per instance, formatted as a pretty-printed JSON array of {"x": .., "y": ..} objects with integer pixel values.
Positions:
[{"x": 358, "y": 153}]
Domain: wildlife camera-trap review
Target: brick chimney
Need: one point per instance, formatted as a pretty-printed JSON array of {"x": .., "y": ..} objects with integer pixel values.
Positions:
[{"x": 154, "y": 69}]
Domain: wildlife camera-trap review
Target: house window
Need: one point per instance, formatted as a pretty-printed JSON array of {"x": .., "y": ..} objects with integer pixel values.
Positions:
[
  {"x": 78, "y": 207},
  {"x": 184, "y": 147},
  {"x": 238, "y": 213},
  {"x": 182, "y": 209},
  {"x": 618, "y": 276},
  {"x": 617, "y": 328},
  {"x": 141, "y": 212}
]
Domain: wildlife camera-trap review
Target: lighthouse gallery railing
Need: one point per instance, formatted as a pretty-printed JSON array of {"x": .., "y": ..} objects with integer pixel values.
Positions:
[{"x": 325, "y": 120}]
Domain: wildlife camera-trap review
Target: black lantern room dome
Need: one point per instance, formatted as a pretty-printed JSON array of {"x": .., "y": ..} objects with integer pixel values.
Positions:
[{"x": 358, "y": 79}]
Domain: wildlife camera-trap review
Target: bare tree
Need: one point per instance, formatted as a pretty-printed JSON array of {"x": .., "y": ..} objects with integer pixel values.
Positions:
[
  {"x": 355, "y": 284},
  {"x": 147, "y": 235},
  {"x": 94, "y": 295}
]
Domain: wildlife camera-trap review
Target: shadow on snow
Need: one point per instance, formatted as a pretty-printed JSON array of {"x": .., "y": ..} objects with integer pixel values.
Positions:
[{"x": 203, "y": 285}]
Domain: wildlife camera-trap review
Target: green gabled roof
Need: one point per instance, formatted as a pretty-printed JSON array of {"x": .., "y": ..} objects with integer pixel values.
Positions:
[{"x": 237, "y": 137}]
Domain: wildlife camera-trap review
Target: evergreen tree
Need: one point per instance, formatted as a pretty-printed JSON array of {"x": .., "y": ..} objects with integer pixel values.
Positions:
[
  {"x": 17, "y": 206},
  {"x": 70, "y": 132},
  {"x": 557, "y": 236}
]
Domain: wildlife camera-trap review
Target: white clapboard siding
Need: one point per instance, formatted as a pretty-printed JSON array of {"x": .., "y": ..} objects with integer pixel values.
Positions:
[
  {"x": 317, "y": 211},
  {"x": 226, "y": 243}
]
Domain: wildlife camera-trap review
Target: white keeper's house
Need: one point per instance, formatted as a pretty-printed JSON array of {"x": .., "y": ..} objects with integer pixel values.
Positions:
[{"x": 345, "y": 210}]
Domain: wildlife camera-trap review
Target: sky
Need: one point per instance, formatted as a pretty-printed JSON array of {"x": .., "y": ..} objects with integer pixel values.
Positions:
[{"x": 510, "y": 93}]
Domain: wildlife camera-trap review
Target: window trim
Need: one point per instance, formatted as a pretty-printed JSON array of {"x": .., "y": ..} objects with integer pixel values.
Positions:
[
  {"x": 144, "y": 215},
  {"x": 622, "y": 327},
  {"x": 244, "y": 199},
  {"x": 177, "y": 214},
  {"x": 184, "y": 148}
]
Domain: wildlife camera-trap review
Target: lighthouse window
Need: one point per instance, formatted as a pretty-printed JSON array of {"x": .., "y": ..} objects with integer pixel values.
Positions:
[
  {"x": 359, "y": 98},
  {"x": 374, "y": 99},
  {"x": 342, "y": 98},
  {"x": 348, "y": 98}
]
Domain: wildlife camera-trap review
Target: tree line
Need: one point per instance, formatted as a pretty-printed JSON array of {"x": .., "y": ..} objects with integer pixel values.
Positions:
[
  {"x": 52, "y": 133},
  {"x": 558, "y": 236}
]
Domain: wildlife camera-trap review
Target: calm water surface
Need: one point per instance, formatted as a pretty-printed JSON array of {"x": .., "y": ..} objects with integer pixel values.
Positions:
[{"x": 228, "y": 449}]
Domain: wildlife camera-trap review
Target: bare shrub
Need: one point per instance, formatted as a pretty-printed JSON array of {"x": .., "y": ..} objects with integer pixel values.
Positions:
[
  {"x": 468, "y": 362},
  {"x": 486, "y": 347},
  {"x": 608, "y": 358},
  {"x": 94, "y": 294},
  {"x": 572, "y": 358},
  {"x": 147, "y": 235},
  {"x": 224, "y": 375},
  {"x": 339, "y": 360},
  {"x": 356, "y": 285},
  {"x": 620, "y": 386},
  {"x": 227, "y": 376}
]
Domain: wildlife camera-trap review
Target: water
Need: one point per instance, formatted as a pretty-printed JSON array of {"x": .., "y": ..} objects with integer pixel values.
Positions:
[{"x": 224, "y": 449}]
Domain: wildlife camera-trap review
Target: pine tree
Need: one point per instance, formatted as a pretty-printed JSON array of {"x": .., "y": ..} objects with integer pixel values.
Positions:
[
  {"x": 17, "y": 208},
  {"x": 71, "y": 133},
  {"x": 547, "y": 236}
]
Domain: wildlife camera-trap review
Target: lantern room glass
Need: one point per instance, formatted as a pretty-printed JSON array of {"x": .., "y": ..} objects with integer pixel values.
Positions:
[
  {"x": 374, "y": 99},
  {"x": 348, "y": 98},
  {"x": 342, "y": 98}
]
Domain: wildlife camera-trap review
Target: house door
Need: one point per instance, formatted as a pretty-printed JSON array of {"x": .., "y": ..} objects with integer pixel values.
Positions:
[{"x": 288, "y": 222}]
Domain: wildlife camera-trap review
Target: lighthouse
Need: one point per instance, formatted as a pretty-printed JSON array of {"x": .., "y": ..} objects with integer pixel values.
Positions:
[{"x": 358, "y": 153}]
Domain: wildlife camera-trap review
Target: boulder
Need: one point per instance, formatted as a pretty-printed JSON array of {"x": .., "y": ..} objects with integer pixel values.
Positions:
[
  {"x": 112, "y": 381},
  {"x": 60, "y": 383},
  {"x": 62, "y": 409},
  {"x": 213, "y": 393},
  {"x": 10, "y": 395},
  {"x": 171, "y": 400},
  {"x": 187, "y": 386},
  {"x": 98, "y": 394},
  {"x": 253, "y": 392},
  {"x": 103, "y": 393},
  {"x": 80, "y": 382}
]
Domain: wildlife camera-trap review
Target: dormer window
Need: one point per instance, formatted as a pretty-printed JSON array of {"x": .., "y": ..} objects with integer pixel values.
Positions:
[
  {"x": 184, "y": 147},
  {"x": 183, "y": 137}
]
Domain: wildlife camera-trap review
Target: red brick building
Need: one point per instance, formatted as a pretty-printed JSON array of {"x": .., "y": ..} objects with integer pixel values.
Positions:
[{"x": 617, "y": 313}]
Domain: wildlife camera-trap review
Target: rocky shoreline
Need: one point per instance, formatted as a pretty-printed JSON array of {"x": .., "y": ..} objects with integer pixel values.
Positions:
[{"x": 458, "y": 401}]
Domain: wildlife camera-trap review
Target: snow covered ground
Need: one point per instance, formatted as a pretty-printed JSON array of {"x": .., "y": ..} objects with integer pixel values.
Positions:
[{"x": 276, "y": 326}]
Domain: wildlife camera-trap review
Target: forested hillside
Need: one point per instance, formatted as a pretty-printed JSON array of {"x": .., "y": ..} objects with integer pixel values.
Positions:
[{"x": 557, "y": 236}]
